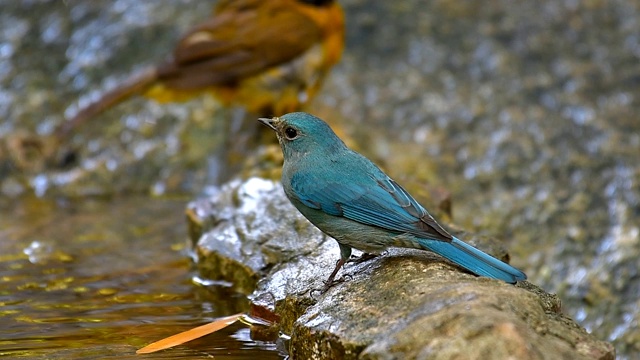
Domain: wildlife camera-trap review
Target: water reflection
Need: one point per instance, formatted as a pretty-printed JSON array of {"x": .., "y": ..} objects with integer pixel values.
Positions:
[{"x": 98, "y": 279}]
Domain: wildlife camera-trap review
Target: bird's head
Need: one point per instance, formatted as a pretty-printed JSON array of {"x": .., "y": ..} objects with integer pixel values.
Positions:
[{"x": 300, "y": 133}]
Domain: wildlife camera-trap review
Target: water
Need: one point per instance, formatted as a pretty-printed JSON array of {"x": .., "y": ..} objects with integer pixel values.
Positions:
[{"x": 98, "y": 279}]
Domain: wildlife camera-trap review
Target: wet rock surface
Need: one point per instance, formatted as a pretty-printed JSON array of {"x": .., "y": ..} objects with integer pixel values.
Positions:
[{"x": 406, "y": 304}]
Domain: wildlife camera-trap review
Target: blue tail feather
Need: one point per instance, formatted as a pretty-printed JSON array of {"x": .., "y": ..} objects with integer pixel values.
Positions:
[{"x": 474, "y": 260}]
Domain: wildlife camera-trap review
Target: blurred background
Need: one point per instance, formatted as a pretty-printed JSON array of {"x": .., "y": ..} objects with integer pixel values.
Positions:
[{"x": 526, "y": 112}]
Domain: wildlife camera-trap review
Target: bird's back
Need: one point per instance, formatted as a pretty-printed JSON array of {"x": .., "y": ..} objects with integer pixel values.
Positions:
[{"x": 268, "y": 56}]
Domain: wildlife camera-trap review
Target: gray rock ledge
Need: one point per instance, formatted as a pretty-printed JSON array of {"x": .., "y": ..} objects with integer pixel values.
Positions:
[{"x": 406, "y": 304}]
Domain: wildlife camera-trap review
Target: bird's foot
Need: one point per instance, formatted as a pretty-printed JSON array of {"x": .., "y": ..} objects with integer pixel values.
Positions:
[{"x": 331, "y": 283}]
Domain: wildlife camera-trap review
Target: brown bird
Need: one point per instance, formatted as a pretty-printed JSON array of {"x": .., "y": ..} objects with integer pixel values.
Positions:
[{"x": 267, "y": 56}]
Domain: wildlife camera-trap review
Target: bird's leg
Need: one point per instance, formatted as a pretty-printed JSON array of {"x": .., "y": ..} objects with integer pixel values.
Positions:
[
  {"x": 345, "y": 254},
  {"x": 330, "y": 281}
]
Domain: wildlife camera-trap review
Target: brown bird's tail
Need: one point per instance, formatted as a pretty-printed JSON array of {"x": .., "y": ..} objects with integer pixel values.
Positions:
[{"x": 137, "y": 84}]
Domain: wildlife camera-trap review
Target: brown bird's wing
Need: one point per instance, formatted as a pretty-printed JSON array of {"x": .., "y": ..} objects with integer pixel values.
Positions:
[{"x": 245, "y": 38}]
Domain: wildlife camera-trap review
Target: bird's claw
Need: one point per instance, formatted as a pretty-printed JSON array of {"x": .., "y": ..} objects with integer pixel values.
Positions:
[
  {"x": 319, "y": 291},
  {"x": 328, "y": 285}
]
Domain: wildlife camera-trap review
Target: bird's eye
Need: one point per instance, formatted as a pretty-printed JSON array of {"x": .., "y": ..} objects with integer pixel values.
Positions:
[
  {"x": 290, "y": 133},
  {"x": 317, "y": 2}
]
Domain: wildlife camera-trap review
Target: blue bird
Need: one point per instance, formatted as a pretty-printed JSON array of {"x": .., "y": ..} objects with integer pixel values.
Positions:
[{"x": 350, "y": 199}]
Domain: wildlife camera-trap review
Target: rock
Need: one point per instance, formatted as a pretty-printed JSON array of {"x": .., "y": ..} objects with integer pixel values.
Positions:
[
  {"x": 406, "y": 304},
  {"x": 248, "y": 228}
]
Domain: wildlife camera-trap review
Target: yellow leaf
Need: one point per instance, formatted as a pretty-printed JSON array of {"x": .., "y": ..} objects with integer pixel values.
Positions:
[{"x": 189, "y": 335}]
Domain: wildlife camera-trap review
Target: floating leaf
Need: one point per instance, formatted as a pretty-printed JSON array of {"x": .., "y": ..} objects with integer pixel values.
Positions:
[{"x": 189, "y": 335}]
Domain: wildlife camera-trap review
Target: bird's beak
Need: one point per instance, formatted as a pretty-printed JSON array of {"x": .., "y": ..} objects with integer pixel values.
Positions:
[{"x": 270, "y": 122}]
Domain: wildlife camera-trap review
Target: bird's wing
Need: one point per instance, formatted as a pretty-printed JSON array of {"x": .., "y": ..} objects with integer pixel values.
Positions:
[
  {"x": 241, "y": 40},
  {"x": 375, "y": 200}
]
